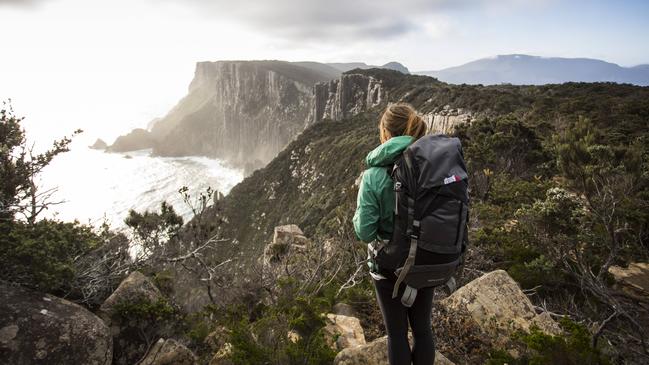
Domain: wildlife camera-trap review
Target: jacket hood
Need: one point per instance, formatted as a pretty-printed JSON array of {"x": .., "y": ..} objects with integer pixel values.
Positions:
[{"x": 386, "y": 153}]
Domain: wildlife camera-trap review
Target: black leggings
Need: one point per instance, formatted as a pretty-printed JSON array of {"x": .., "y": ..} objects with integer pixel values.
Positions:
[{"x": 396, "y": 318}]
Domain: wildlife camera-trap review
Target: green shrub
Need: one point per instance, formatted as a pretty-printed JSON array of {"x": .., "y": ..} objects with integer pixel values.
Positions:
[
  {"x": 164, "y": 281},
  {"x": 259, "y": 335},
  {"x": 143, "y": 311},
  {"x": 511, "y": 193},
  {"x": 42, "y": 255},
  {"x": 535, "y": 272},
  {"x": 198, "y": 328},
  {"x": 571, "y": 348}
]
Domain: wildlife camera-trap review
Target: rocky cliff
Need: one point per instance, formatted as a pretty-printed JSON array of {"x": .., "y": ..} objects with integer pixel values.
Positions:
[
  {"x": 346, "y": 96},
  {"x": 98, "y": 145},
  {"x": 240, "y": 111},
  {"x": 137, "y": 139},
  {"x": 353, "y": 93},
  {"x": 446, "y": 119},
  {"x": 245, "y": 112}
]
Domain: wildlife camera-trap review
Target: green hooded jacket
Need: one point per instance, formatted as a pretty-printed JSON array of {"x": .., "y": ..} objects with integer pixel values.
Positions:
[{"x": 375, "y": 203}]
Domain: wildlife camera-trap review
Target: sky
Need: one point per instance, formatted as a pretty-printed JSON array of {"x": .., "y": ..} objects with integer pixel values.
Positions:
[{"x": 110, "y": 66}]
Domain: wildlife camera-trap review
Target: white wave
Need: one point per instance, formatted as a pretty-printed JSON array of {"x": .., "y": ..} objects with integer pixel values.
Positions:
[{"x": 98, "y": 186}]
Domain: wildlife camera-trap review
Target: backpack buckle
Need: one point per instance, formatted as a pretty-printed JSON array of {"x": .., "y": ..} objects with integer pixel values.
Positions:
[
  {"x": 409, "y": 296},
  {"x": 415, "y": 229}
]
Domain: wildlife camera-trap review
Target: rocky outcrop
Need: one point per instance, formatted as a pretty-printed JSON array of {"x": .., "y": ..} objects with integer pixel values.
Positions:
[
  {"x": 169, "y": 352},
  {"x": 344, "y": 309},
  {"x": 346, "y": 96},
  {"x": 40, "y": 328},
  {"x": 286, "y": 238},
  {"x": 375, "y": 353},
  {"x": 223, "y": 356},
  {"x": 499, "y": 307},
  {"x": 446, "y": 119},
  {"x": 137, "y": 139},
  {"x": 136, "y": 290},
  {"x": 98, "y": 145},
  {"x": 241, "y": 111},
  {"x": 633, "y": 280},
  {"x": 341, "y": 332},
  {"x": 217, "y": 338}
]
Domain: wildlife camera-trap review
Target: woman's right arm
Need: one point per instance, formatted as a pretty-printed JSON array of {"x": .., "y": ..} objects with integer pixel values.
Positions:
[{"x": 366, "y": 217}]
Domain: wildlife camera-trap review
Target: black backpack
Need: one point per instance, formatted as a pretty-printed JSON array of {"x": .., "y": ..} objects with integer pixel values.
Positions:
[{"x": 430, "y": 218}]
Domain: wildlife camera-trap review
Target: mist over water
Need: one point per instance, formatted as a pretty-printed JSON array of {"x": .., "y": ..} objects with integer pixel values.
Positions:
[{"x": 98, "y": 186}]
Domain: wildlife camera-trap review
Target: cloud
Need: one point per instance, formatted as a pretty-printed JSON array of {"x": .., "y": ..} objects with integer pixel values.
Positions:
[
  {"x": 20, "y": 2},
  {"x": 335, "y": 20},
  {"x": 330, "y": 19}
]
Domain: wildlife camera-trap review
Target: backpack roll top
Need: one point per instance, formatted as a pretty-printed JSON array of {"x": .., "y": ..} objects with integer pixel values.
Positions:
[{"x": 438, "y": 160}]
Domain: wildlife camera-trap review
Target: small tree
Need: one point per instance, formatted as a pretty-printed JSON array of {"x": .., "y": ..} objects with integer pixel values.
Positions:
[
  {"x": 20, "y": 167},
  {"x": 151, "y": 230},
  {"x": 41, "y": 254},
  {"x": 159, "y": 246}
]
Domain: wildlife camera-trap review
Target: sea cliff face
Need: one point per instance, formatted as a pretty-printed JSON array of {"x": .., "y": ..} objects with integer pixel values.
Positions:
[
  {"x": 242, "y": 111},
  {"x": 346, "y": 96},
  {"x": 446, "y": 119},
  {"x": 137, "y": 139},
  {"x": 354, "y": 93},
  {"x": 246, "y": 112}
]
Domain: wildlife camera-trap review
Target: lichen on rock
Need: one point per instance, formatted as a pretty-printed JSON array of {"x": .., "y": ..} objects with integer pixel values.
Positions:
[
  {"x": 375, "y": 353},
  {"x": 343, "y": 331},
  {"x": 169, "y": 352},
  {"x": 496, "y": 303},
  {"x": 38, "y": 328}
]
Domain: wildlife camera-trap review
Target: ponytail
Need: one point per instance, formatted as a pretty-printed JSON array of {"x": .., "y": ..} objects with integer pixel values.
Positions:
[
  {"x": 415, "y": 126},
  {"x": 401, "y": 119}
]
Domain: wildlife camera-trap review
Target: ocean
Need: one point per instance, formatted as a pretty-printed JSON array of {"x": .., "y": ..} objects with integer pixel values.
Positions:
[{"x": 98, "y": 187}]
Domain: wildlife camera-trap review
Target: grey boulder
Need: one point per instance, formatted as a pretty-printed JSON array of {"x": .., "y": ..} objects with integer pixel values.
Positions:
[{"x": 38, "y": 328}]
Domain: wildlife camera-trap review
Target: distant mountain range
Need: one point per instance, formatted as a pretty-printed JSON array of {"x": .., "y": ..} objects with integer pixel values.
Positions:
[
  {"x": 519, "y": 69},
  {"x": 346, "y": 66},
  {"x": 336, "y": 68}
]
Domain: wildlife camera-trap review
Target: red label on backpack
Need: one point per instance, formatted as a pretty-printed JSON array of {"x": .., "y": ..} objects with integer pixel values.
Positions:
[{"x": 451, "y": 179}]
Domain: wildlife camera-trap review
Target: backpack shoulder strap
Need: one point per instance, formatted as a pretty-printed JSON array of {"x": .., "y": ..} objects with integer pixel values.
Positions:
[{"x": 392, "y": 168}]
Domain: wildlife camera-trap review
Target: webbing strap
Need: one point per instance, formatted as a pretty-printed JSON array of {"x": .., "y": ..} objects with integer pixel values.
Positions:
[
  {"x": 411, "y": 216},
  {"x": 413, "y": 227},
  {"x": 410, "y": 261}
]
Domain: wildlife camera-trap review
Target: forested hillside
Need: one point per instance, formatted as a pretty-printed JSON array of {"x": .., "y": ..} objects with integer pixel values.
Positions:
[
  {"x": 558, "y": 190},
  {"x": 559, "y": 193}
]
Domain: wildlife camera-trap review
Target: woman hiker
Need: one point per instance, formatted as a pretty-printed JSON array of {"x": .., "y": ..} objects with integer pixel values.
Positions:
[{"x": 399, "y": 127}]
